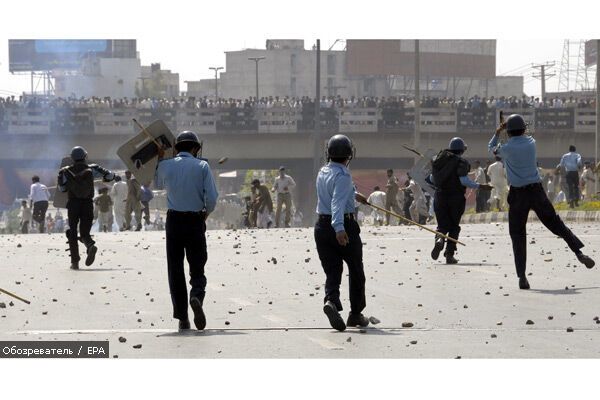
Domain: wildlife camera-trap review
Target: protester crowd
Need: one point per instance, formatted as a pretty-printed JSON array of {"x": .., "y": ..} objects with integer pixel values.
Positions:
[{"x": 394, "y": 102}]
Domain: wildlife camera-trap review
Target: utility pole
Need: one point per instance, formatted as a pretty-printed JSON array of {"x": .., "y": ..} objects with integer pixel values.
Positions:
[
  {"x": 417, "y": 98},
  {"x": 597, "y": 106},
  {"x": 317, "y": 148},
  {"x": 256, "y": 60},
  {"x": 544, "y": 75},
  {"x": 216, "y": 69}
]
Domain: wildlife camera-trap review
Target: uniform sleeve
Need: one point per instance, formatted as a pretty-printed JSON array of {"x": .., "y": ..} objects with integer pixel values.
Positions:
[
  {"x": 210, "y": 189},
  {"x": 99, "y": 171},
  {"x": 467, "y": 182},
  {"x": 342, "y": 190},
  {"x": 493, "y": 145},
  {"x": 159, "y": 175}
]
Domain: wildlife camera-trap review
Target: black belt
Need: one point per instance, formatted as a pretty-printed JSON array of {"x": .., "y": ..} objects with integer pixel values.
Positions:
[
  {"x": 190, "y": 213},
  {"x": 530, "y": 186},
  {"x": 328, "y": 217}
]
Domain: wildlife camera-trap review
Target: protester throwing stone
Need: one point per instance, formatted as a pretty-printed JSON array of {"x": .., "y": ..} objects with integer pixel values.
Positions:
[{"x": 526, "y": 193}]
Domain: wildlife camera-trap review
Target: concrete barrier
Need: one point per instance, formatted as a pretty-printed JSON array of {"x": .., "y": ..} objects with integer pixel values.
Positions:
[{"x": 567, "y": 216}]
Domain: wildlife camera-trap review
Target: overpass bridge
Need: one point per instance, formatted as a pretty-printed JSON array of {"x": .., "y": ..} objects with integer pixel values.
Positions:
[{"x": 36, "y": 139}]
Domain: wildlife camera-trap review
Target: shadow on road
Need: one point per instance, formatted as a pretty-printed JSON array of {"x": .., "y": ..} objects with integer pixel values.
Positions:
[
  {"x": 569, "y": 291},
  {"x": 465, "y": 264},
  {"x": 207, "y": 332},
  {"x": 103, "y": 269}
]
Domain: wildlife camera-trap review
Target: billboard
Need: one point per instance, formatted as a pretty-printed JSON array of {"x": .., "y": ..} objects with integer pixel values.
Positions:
[
  {"x": 49, "y": 54},
  {"x": 438, "y": 58}
]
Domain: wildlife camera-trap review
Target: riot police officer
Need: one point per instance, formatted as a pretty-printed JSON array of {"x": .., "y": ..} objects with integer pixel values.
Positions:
[
  {"x": 337, "y": 234},
  {"x": 449, "y": 175},
  {"x": 78, "y": 181},
  {"x": 191, "y": 197},
  {"x": 526, "y": 193}
]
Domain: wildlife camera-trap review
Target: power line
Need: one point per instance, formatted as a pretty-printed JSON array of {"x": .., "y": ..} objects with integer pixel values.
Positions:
[{"x": 544, "y": 74}]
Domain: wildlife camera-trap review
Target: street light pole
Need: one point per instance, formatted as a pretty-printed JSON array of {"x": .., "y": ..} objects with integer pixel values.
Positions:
[
  {"x": 256, "y": 60},
  {"x": 216, "y": 69}
]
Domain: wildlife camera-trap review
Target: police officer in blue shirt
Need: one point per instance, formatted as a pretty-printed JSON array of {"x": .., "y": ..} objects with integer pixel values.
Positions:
[
  {"x": 571, "y": 162},
  {"x": 191, "y": 197},
  {"x": 526, "y": 193},
  {"x": 337, "y": 234}
]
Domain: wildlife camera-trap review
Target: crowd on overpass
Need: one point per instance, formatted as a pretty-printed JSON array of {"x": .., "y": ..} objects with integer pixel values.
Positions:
[{"x": 389, "y": 102}]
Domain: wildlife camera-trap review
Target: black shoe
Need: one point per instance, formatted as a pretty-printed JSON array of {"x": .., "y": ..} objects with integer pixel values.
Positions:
[
  {"x": 74, "y": 265},
  {"x": 184, "y": 324},
  {"x": 523, "y": 283},
  {"x": 450, "y": 259},
  {"x": 586, "y": 260},
  {"x": 138, "y": 228},
  {"x": 91, "y": 255},
  {"x": 335, "y": 319},
  {"x": 357, "y": 320},
  {"x": 199, "y": 317},
  {"x": 439, "y": 246}
]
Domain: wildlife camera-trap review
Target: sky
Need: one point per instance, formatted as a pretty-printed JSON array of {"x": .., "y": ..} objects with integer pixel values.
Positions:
[{"x": 190, "y": 36}]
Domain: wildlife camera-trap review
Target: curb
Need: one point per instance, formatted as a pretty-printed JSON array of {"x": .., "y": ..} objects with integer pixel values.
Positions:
[{"x": 568, "y": 216}]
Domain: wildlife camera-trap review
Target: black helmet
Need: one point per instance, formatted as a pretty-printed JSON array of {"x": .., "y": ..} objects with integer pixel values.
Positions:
[
  {"x": 78, "y": 153},
  {"x": 187, "y": 136},
  {"x": 340, "y": 146},
  {"x": 515, "y": 123},
  {"x": 457, "y": 144}
]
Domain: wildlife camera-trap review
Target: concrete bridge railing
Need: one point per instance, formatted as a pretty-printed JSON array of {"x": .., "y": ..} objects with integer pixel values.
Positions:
[{"x": 111, "y": 121}]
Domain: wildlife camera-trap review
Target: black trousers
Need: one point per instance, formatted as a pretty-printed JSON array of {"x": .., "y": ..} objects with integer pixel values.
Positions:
[
  {"x": 146, "y": 211},
  {"x": 449, "y": 208},
  {"x": 185, "y": 233},
  {"x": 573, "y": 186},
  {"x": 480, "y": 201},
  {"x": 332, "y": 256},
  {"x": 533, "y": 197},
  {"x": 81, "y": 215},
  {"x": 39, "y": 213}
]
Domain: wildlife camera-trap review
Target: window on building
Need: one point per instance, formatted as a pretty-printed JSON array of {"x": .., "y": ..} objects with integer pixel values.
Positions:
[
  {"x": 293, "y": 87},
  {"x": 293, "y": 63},
  {"x": 330, "y": 64}
]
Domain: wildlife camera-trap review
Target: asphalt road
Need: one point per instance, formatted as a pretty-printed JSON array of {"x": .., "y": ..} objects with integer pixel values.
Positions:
[{"x": 261, "y": 308}]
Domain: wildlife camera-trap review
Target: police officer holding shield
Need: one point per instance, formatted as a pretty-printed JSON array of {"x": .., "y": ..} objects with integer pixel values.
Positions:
[
  {"x": 191, "y": 197},
  {"x": 337, "y": 234},
  {"x": 526, "y": 193}
]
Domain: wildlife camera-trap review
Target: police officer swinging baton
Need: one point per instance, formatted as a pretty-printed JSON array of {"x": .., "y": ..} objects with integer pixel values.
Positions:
[{"x": 414, "y": 223}]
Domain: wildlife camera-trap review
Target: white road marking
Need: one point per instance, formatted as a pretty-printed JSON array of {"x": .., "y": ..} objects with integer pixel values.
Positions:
[
  {"x": 241, "y": 302},
  {"x": 273, "y": 318},
  {"x": 214, "y": 287},
  {"x": 327, "y": 344}
]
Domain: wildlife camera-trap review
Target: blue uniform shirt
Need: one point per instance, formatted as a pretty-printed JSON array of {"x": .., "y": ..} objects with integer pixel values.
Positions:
[
  {"x": 519, "y": 156},
  {"x": 335, "y": 193},
  {"x": 571, "y": 161},
  {"x": 189, "y": 183}
]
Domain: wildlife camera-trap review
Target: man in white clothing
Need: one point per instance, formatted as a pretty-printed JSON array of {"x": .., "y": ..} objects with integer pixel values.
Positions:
[
  {"x": 118, "y": 193},
  {"x": 282, "y": 186},
  {"x": 377, "y": 198},
  {"x": 418, "y": 207},
  {"x": 39, "y": 196},
  {"x": 497, "y": 176}
]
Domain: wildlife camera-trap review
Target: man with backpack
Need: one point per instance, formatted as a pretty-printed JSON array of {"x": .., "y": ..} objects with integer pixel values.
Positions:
[{"x": 449, "y": 175}]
